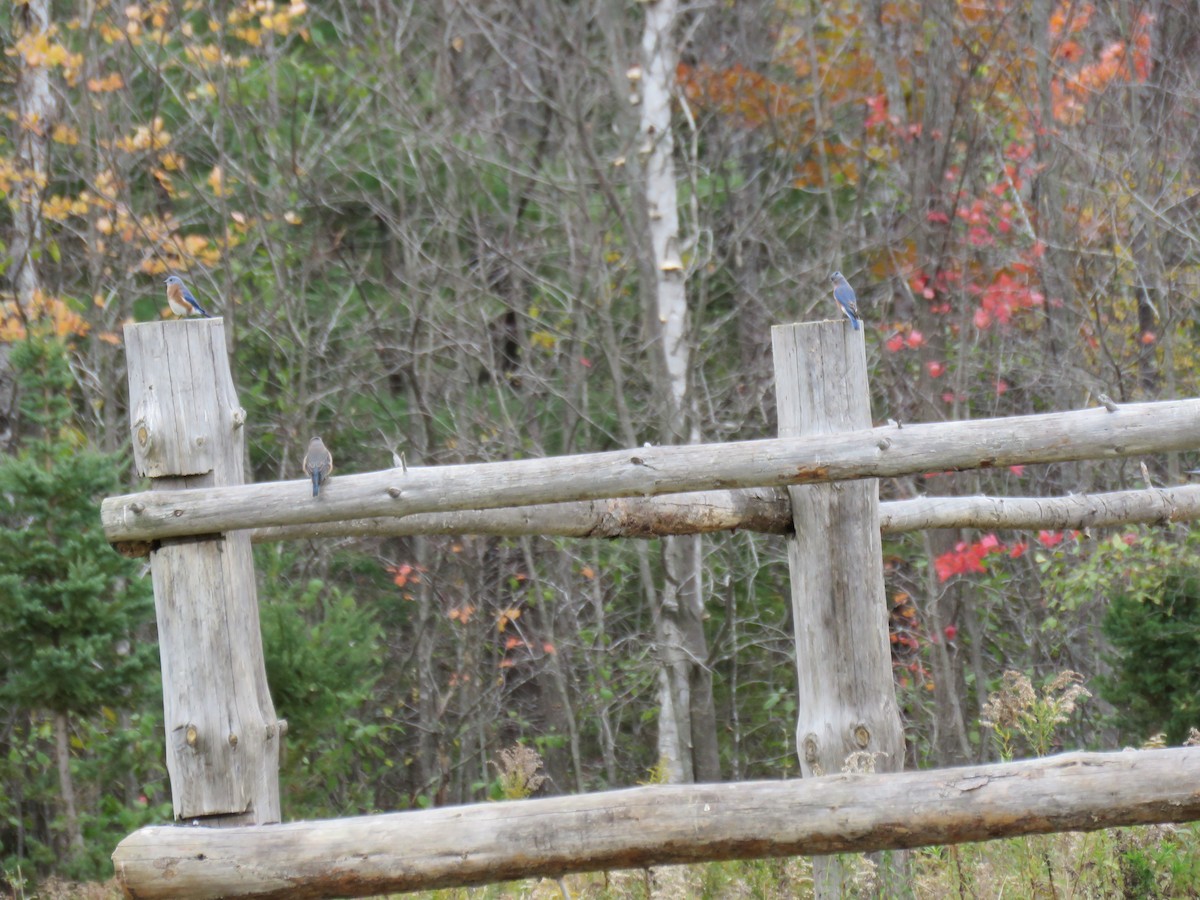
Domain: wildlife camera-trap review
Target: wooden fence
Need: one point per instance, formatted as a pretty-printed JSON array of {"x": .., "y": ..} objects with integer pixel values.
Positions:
[{"x": 816, "y": 484}]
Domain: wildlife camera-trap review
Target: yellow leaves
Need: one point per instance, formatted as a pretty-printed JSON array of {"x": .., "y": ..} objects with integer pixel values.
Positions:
[
  {"x": 543, "y": 340},
  {"x": 146, "y": 137},
  {"x": 507, "y": 617},
  {"x": 109, "y": 33},
  {"x": 204, "y": 54},
  {"x": 64, "y": 134},
  {"x": 59, "y": 208},
  {"x": 216, "y": 182},
  {"x": 292, "y": 217},
  {"x": 173, "y": 252},
  {"x": 38, "y": 49},
  {"x": 251, "y": 36}
]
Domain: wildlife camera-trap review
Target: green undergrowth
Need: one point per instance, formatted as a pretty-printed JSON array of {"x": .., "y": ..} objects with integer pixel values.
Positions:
[{"x": 1155, "y": 861}]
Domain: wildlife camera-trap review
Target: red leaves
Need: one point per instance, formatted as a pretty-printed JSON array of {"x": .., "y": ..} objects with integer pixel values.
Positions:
[
  {"x": 1003, "y": 298},
  {"x": 970, "y": 557},
  {"x": 1050, "y": 539},
  {"x": 898, "y": 341}
]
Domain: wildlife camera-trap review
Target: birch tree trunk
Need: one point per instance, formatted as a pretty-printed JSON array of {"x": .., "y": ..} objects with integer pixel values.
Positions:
[
  {"x": 687, "y": 727},
  {"x": 35, "y": 113}
]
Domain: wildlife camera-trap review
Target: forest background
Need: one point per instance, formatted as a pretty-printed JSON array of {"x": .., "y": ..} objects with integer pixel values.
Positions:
[{"x": 426, "y": 226}]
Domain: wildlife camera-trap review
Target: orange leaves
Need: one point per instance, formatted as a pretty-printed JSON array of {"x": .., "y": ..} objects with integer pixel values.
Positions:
[
  {"x": 1119, "y": 62},
  {"x": 461, "y": 614},
  {"x": 111, "y": 82},
  {"x": 51, "y": 313},
  {"x": 1070, "y": 18},
  {"x": 749, "y": 98},
  {"x": 404, "y": 574}
]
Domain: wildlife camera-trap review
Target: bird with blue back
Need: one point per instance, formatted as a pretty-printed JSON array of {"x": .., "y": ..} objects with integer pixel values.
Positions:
[
  {"x": 181, "y": 300},
  {"x": 318, "y": 463},
  {"x": 844, "y": 295}
]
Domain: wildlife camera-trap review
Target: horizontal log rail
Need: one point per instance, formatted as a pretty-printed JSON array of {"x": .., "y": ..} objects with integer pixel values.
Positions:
[
  {"x": 764, "y": 511},
  {"x": 891, "y": 450},
  {"x": 661, "y": 824}
]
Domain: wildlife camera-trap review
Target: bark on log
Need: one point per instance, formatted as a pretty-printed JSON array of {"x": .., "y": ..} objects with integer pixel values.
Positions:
[
  {"x": 764, "y": 511},
  {"x": 1131, "y": 430},
  {"x": 847, "y": 696},
  {"x": 661, "y": 824},
  {"x": 1148, "y": 506},
  {"x": 222, "y": 735}
]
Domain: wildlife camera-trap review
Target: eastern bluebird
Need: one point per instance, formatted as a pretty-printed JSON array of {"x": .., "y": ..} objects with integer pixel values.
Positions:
[
  {"x": 318, "y": 462},
  {"x": 181, "y": 300},
  {"x": 844, "y": 295}
]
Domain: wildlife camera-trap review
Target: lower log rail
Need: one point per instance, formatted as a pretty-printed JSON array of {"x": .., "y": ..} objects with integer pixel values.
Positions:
[{"x": 661, "y": 824}]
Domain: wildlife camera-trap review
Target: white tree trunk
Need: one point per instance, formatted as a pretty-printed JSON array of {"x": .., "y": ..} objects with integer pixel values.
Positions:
[
  {"x": 36, "y": 111},
  {"x": 688, "y": 744}
]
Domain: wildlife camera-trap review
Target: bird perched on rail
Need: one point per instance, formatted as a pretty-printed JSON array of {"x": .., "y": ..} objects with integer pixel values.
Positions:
[
  {"x": 844, "y": 295},
  {"x": 318, "y": 463},
  {"x": 181, "y": 300}
]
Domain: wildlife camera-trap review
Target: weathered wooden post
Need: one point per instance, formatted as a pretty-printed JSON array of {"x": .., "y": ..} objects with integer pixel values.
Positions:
[
  {"x": 222, "y": 737},
  {"x": 847, "y": 700}
]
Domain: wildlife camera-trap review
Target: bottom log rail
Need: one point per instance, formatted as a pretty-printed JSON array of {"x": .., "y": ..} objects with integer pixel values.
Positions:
[{"x": 661, "y": 824}]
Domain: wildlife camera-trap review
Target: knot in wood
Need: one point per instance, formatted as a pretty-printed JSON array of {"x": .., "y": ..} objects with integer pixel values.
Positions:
[
  {"x": 191, "y": 736},
  {"x": 884, "y": 443},
  {"x": 143, "y": 436},
  {"x": 811, "y": 750},
  {"x": 394, "y": 493},
  {"x": 862, "y": 735},
  {"x": 233, "y": 740}
]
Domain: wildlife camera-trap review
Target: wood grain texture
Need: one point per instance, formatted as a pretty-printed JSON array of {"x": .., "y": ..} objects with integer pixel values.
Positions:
[
  {"x": 846, "y": 702},
  {"x": 222, "y": 736},
  {"x": 764, "y": 511},
  {"x": 661, "y": 824},
  {"x": 649, "y": 471}
]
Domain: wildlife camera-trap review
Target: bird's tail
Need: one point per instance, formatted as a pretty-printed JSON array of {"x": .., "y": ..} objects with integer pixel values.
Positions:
[
  {"x": 316, "y": 482},
  {"x": 854, "y": 322}
]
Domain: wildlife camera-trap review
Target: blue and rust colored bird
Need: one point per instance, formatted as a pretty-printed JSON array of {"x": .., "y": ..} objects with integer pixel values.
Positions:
[
  {"x": 844, "y": 295},
  {"x": 181, "y": 300},
  {"x": 318, "y": 463}
]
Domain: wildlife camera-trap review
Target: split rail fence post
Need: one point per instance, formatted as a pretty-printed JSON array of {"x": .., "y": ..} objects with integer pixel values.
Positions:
[
  {"x": 222, "y": 736},
  {"x": 847, "y": 700}
]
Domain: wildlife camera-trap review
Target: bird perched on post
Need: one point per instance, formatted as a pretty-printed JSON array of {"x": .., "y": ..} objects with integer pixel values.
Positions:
[
  {"x": 318, "y": 463},
  {"x": 181, "y": 300},
  {"x": 844, "y": 295}
]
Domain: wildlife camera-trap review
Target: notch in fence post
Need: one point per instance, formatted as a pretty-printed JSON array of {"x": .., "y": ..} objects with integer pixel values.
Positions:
[
  {"x": 847, "y": 699},
  {"x": 222, "y": 736}
]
